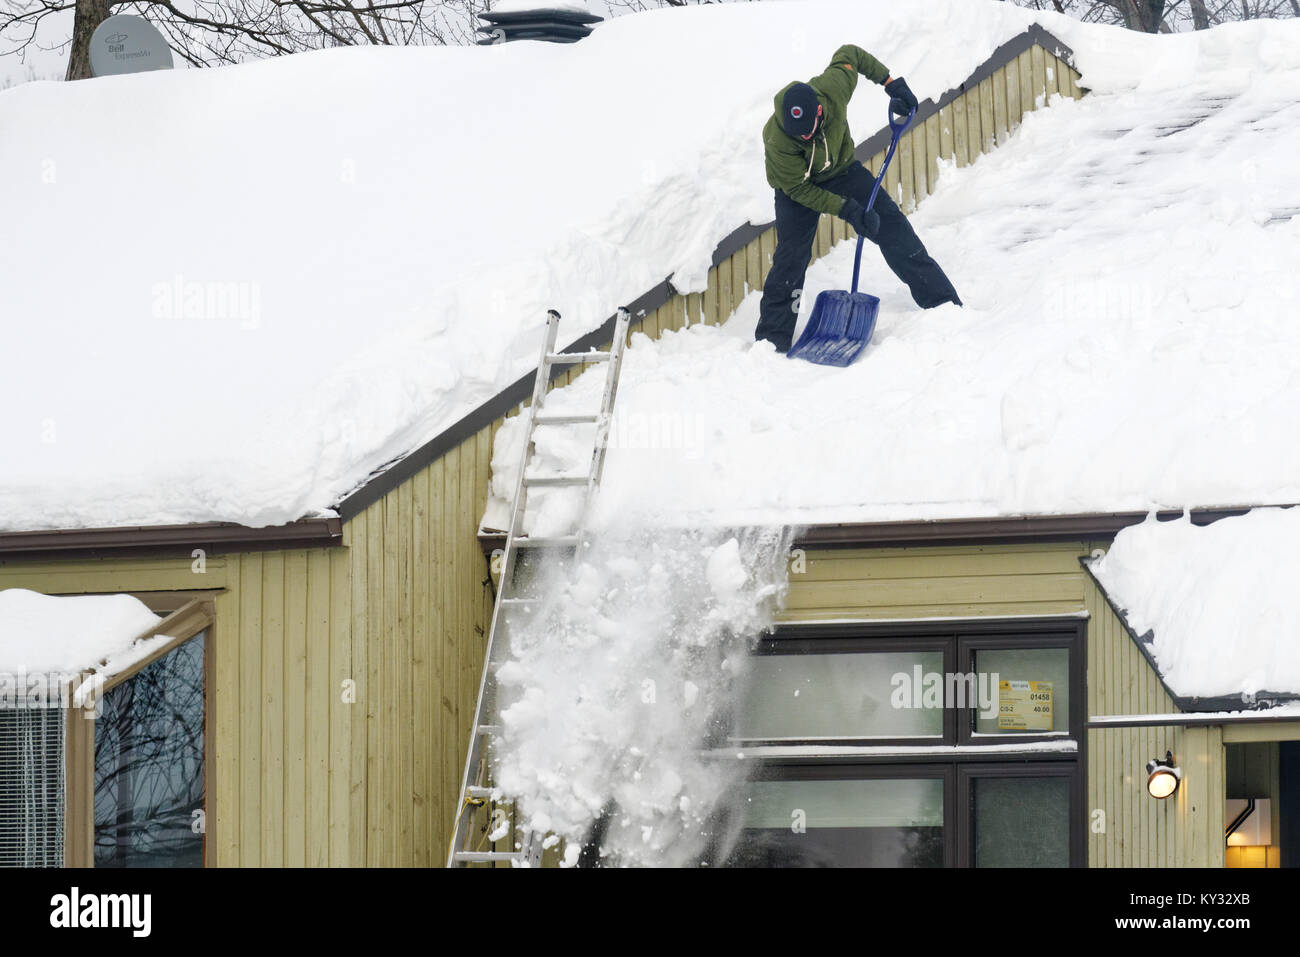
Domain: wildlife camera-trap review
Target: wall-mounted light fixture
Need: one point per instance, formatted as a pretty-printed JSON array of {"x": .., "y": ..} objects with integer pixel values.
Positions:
[{"x": 1163, "y": 776}]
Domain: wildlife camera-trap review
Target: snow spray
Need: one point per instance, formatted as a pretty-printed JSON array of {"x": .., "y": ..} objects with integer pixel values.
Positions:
[{"x": 625, "y": 675}]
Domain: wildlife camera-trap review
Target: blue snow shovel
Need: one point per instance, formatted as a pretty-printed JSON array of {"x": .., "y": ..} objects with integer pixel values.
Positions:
[{"x": 842, "y": 322}]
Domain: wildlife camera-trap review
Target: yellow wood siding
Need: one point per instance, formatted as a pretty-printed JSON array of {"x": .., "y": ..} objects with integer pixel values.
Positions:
[{"x": 424, "y": 594}]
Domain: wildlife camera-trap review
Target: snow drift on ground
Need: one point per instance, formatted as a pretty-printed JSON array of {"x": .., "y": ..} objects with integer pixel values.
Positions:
[
  {"x": 1129, "y": 338},
  {"x": 230, "y": 294},
  {"x": 48, "y": 634},
  {"x": 1219, "y": 599},
  {"x": 615, "y": 685}
]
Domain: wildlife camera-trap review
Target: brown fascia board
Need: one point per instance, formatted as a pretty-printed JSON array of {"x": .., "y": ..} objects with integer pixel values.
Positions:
[
  {"x": 212, "y": 537},
  {"x": 967, "y": 531}
]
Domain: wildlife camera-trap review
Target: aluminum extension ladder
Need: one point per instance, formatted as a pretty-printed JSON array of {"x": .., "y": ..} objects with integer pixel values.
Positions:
[{"x": 475, "y": 790}]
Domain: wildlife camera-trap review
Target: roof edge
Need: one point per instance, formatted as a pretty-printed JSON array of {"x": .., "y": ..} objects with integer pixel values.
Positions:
[
  {"x": 1009, "y": 530},
  {"x": 211, "y": 537}
]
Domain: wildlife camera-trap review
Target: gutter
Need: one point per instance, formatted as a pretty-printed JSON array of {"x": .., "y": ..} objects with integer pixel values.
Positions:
[
  {"x": 1009, "y": 530},
  {"x": 1197, "y": 720},
  {"x": 211, "y": 537}
]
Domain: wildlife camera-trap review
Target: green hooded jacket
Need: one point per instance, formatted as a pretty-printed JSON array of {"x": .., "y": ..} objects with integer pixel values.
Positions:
[{"x": 796, "y": 166}]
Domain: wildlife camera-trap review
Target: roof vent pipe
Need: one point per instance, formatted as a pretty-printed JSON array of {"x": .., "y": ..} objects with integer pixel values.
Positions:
[{"x": 559, "y": 23}]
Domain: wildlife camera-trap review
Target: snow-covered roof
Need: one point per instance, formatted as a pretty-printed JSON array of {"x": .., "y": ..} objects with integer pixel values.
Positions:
[
  {"x": 1213, "y": 604},
  {"x": 1128, "y": 340},
  {"x": 49, "y": 634},
  {"x": 239, "y": 291},
  {"x": 233, "y": 293}
]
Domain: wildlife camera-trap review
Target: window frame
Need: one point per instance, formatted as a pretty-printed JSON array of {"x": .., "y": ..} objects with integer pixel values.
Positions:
[
  {"x": 971, "y": 757},
  {"x": 194, "y": 615}
]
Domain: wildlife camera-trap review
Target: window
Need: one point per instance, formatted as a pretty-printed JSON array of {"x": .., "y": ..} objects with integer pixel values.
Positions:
[
  {"x": 149, "y": 764},
  {"x": 31, "y": 786},
  {"x": 918, "y": 745}
]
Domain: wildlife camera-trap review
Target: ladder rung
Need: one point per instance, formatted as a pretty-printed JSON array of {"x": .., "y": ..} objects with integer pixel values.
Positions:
[
  {"x": 572, "y": 358},
  {"x": 556, "y": 481},
  {"x": 489, "y": 729},
  {"x": 554, "y": 541},
  {"x": 565, "y": 419},
  {"x": 475, "y": 791},
  {"x": 521, "y": 601},
  {"x": 486, "y": 857}
]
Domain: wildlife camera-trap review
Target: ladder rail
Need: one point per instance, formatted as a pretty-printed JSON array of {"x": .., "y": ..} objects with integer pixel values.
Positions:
[
  {"x": 474, "y": 791},
  {"x": 476, "y": 752}
]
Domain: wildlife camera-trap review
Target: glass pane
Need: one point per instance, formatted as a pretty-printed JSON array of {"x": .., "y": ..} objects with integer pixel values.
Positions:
[
  {"x": 31, "y": 786},
  {"x": 149, "y": 765},
  {"x": 1033, "y": 690},
  {"x": 1022, "y": 822},
  {"x": 865, "y": 695},
  {"x": 871, "y": 823}
]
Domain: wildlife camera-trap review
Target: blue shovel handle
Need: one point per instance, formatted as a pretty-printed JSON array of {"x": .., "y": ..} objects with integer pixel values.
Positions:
[{"x": 897, "y": 129}]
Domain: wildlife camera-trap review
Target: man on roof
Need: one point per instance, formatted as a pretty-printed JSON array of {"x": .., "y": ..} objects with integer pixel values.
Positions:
[{"x": 810, "y": 164}]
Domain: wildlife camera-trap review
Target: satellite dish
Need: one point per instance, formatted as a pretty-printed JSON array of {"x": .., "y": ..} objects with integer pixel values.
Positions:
[{"x": 127, "y": 44}]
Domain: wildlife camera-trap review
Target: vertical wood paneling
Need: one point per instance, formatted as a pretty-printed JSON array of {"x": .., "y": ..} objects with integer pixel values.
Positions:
[
  {"x": 1038, "y": 72},
  {"x": 1025, "y": 68},
  {"x": 250, "y": 716},
  {"x": 767, "y": 243},
  {"x": 294, "y": 743},
  {"x": 1014, "y": 111},
  {"x": 223, "y": 785},
  {"x": 710, "y": 315},
  {"x": 425, "y": 786},
  {"x": 919, "y": 172},
  {"x": 724, "y": 291},
  {"x": 988, "y": 127},
  {"x": 947, "y": 133},
  {"x": 1000, "y": 128},
  {"x": 933, "y": 147},
  {"x": 359, "y": 674},
  {"x": 960, "y": 132},
  {"x": 739, "y": 278},
  {"x": 404, "y": 651},
  {"x": 272, "y": 707},
  {"x": 905, "y": 166},
  {"x": 316, "y": 710},
  {"x": 377, "y": 630}
]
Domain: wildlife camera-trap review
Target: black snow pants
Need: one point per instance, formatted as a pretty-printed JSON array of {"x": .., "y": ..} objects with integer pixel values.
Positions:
[{"x": 796, "y": 228}]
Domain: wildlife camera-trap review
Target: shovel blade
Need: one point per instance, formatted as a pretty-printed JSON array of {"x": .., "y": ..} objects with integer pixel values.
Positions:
[{"x": 838, "y": 329}]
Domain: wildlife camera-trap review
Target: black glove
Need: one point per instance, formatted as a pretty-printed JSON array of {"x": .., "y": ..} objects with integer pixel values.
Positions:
[
  {"x": 902, "y": 101},
  {"x": 865, "y": 221}
]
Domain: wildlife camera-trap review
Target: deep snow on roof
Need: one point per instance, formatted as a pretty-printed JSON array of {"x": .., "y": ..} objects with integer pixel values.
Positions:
[
  {"x": 1128, "y": 341},
  {"x": 1217, "y": 600},
  {"x": 233, "y": 293}
]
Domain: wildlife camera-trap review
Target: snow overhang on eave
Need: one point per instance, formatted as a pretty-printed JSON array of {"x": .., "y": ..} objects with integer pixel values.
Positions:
[
  {"x": 211, "y": 537},
  {"x": 1258, "y": 704}
]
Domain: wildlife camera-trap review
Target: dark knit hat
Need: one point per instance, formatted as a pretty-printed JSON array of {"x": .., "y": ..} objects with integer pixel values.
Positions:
[{"x": 799, "y": 109}]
